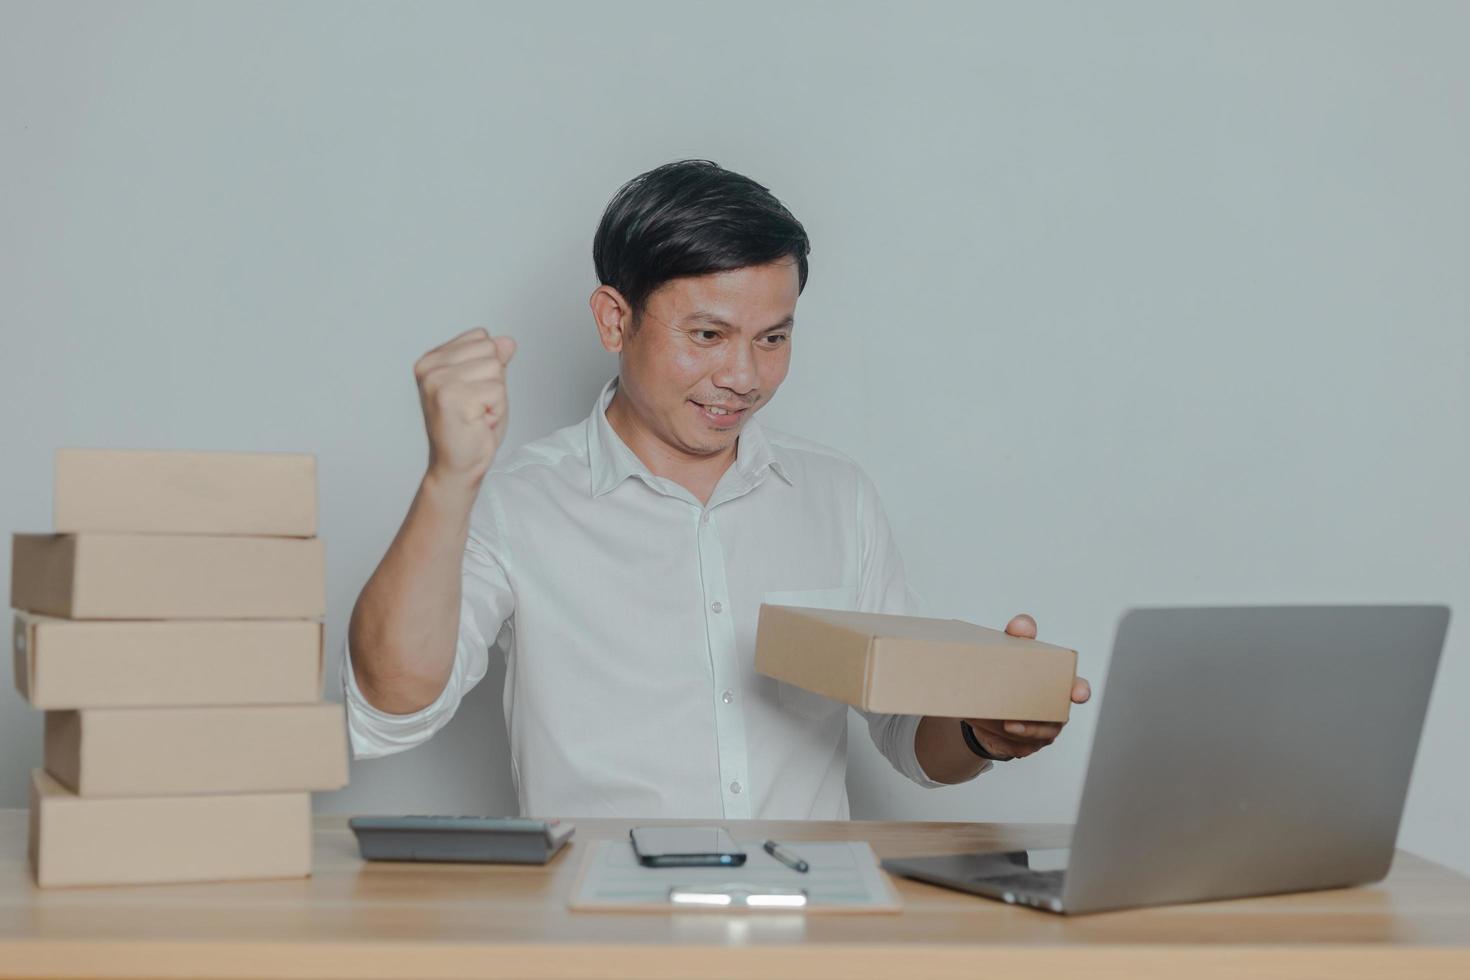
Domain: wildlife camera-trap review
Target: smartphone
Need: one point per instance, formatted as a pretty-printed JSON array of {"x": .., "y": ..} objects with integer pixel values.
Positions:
[{"x": 667, "y": 847}]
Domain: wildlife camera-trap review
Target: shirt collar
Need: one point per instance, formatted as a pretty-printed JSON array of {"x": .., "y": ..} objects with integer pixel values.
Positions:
[{"x": 611, "y": 461}]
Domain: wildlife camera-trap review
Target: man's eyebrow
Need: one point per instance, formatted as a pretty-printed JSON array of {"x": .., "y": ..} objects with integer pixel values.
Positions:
[{"x": 704, "y": 316}]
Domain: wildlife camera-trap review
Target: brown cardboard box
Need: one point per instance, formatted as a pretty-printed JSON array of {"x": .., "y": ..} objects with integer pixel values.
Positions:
[
  {"x": 71, "y": 663},
  {"x": 169, "y": 492},
  {"x": 178, "y": 751},
  {"x": 167, "y": 576},
  {"x": 197, "y": 838},
  {"x": 910, "y": 665}
]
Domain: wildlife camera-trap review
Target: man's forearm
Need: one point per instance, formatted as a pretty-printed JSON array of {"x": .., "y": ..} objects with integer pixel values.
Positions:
[
  {"x": 404, "y": 626},
  {"x": 941, "y": 751}
]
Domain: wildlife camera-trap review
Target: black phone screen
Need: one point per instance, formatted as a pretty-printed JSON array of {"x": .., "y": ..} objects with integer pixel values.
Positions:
[{"x": 683, "y": 846}]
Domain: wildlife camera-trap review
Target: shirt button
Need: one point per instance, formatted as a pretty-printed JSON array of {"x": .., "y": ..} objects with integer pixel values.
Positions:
[
  {"x": 735, "y": 788},
  {"x": 716, "y": 607},
  {"x": 704, "y": 520},
  {"x": 727, "y": 697}
]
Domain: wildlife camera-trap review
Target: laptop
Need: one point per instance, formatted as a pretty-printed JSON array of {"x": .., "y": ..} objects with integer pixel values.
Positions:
[{"x": 1239, "y": 751}]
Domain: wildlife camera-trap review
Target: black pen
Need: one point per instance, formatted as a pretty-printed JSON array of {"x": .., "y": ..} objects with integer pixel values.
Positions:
[{"x": 786, "y": 857}]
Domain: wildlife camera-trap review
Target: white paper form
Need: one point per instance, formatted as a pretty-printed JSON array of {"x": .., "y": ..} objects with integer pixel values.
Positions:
[{"x": 844, "y": 877}]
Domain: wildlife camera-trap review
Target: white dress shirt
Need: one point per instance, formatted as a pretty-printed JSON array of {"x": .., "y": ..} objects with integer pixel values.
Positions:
[{"x": 631, "y": 608}]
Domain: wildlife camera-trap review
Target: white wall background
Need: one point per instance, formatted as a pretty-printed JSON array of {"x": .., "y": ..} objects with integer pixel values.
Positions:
[{"x": 1118, "y": 303}]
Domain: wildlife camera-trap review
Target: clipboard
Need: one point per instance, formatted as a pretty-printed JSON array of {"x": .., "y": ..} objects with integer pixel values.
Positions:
[{"x": 844, "y": 877}]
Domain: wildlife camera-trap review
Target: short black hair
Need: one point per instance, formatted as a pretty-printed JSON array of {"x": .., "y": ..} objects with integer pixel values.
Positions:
[{"x": 691, "y": 218}]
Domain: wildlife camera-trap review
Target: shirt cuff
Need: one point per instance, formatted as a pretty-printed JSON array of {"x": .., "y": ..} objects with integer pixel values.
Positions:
[
  {"x": 925, "y": 780},
  {"x": 373, "y": 732},
  {"x": 906, "y": 757}
]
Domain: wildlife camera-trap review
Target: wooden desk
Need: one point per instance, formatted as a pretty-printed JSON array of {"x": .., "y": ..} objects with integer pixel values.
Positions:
[{"x": 429, "y": 921}]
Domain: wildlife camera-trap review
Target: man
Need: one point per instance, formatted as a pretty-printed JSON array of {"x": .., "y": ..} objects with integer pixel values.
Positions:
[{"x": 626, "y": 557}]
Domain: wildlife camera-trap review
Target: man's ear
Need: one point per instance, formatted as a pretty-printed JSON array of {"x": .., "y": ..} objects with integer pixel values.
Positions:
[{"x": 614, "y": 318}]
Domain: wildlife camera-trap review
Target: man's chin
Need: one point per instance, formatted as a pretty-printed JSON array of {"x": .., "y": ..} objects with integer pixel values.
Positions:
[{"x": 708, "y": 443}]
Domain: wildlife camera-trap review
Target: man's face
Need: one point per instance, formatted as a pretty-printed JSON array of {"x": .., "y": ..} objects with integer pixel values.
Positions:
[{"x": 708, "y": 352}]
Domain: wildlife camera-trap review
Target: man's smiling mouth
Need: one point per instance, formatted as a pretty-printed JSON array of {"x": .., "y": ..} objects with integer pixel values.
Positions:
[{"x": 718, "y": 414}]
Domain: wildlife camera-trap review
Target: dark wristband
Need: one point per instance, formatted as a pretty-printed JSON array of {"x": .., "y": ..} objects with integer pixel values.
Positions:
[{"x": 973, "y": 744}]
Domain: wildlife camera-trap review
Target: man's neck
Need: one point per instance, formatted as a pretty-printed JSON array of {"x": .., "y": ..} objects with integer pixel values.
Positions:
[{"x": 697, "y": 474}]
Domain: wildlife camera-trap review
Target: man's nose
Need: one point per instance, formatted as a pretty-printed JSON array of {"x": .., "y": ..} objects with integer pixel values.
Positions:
[{"x": 737, "y": 374}]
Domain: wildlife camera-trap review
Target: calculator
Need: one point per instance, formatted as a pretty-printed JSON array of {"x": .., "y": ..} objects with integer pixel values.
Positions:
[{"x": 490, "y": 840}]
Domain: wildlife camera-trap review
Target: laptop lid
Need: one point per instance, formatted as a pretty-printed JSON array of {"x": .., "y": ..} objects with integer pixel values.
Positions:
[{"x": 1254, "y": 750}]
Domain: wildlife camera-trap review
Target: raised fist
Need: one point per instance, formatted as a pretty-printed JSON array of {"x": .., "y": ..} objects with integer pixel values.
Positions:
[{"x": 462, "y": 390}]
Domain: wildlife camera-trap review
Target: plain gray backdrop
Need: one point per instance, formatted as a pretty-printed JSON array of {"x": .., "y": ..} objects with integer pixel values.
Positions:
[{"x": 1128, "y": 303}]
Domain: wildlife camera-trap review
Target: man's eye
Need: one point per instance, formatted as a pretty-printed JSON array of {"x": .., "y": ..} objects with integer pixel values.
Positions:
[
  {"x": 708, "y": 334},
  {"x": 777, "y": 338}
]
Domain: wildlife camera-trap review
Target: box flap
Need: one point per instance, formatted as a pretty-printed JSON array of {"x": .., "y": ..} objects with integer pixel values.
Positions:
[
  {"x": 23, "y": 642},
  {"x": 41, "y": 572},
  {"x": 62, "y": 748},
  {"x": 321, "y": 656},
  {"x": 33, "y": 825},
  {"x": 44, "y": 787}
]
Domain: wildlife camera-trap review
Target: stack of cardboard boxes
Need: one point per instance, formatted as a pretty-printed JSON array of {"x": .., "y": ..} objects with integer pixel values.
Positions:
[{"x": 171, "y": 631}]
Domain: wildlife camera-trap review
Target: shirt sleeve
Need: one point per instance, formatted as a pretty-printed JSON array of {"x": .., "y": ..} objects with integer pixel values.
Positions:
[
  {"x": 486, "y": 604},
  {"x": 884, "y": 588}
]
